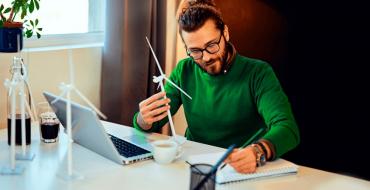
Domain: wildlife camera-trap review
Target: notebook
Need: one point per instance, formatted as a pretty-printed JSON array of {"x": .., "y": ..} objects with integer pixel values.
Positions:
[{"x": 275, "y": 168}]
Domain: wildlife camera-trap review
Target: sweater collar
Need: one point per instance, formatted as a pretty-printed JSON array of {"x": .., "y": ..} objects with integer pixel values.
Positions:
[{"x": 230, "y": 58}]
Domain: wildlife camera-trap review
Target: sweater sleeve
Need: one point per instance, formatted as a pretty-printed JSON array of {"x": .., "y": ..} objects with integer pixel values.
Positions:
[
  {"x": 274, "y": 107},
  {"x": 173, "y": 94}
]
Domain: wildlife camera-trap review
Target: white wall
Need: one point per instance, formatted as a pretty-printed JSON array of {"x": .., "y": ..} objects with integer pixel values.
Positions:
[{"x": 48, "y": 69}]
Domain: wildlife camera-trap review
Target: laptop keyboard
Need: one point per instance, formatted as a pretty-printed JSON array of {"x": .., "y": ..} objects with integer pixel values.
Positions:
[{"x": 127, "y": 149}]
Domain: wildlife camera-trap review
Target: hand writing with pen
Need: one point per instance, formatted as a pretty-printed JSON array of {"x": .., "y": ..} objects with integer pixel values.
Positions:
[
  {"x": 246, "y": 160},
  {"x": 243, "y": 160}
]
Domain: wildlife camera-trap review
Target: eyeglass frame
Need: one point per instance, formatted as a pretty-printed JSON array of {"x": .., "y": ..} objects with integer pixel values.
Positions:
[{"x": 188, "y": 52}]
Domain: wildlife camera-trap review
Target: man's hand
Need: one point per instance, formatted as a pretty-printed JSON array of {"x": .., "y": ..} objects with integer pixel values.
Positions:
[
  {"x": 243, "y": 160},
  {"x": 153, "y": 109}
]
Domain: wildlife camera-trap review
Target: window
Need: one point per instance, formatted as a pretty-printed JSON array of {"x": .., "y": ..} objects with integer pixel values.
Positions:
[
  {"x": 63, "y": 17},
  {"x": 69, "y": 16},
  {"x": 69, "y": 22}
]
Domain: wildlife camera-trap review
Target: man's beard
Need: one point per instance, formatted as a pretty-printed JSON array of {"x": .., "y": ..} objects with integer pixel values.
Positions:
[{"x": 222, "y": 60}]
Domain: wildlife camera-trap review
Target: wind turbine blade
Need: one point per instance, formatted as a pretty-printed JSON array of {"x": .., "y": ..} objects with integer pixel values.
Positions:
[
  {"x": 155, "y": 57},
  {"x": 168, "y": 80},
  {"x": 90, "y": 104},
  {"x": 60, "y": 96},
  {"x": 32, "y": 100},
  {"x": 29, "y": 109},
  {"x": 10, "y": 91}
]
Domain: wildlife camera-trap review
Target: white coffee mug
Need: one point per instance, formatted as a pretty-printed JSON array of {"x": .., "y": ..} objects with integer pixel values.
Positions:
[{"x": 165, "y": 151}]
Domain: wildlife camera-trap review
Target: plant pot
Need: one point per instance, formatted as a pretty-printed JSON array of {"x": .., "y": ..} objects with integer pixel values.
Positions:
[{"x": 8, "y": 38}]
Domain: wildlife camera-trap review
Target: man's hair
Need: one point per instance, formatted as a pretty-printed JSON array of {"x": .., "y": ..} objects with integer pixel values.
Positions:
[
  {"x": 205, "y": 2},
  {"x": 194, "y": 17}
]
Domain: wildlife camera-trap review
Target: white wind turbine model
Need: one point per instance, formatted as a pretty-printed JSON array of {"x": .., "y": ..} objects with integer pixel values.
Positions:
[
  {"x": 66, "y": 90},
  {"x": 17, "y": 84},
  {"x": 159, "y": 79},
  {"x": 24, "y": 104},
  {"x": 13, "y": 169},
  {"x": 22, "y": 80}
]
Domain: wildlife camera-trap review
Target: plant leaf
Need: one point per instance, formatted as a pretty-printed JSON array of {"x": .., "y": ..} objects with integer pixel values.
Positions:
[
  {"x": 40, "y": 29},
  {"x": 24, "y": 12},
  {"x": 7, "y": 10},
  {"x": 31, "y": 6},
  {"x": 1, "y": 8},
  {"x": 38, "y": 35},
  {"x": 37, "y": 4},
  {"x": 32, "y": 23},
  {"x": 29, "y": 33},
  {"x": 37, "y": 22}
]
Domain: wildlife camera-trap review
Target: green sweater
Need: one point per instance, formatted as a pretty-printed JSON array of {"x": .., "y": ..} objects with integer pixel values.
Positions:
[{"x": 230, "y": 108}]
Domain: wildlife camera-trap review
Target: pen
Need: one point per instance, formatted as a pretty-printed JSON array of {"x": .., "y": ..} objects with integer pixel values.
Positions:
[
  {"x": 195, "y": 167},
  {"x": 248, "y": 142},
  {"x": 214, "y": 168}
]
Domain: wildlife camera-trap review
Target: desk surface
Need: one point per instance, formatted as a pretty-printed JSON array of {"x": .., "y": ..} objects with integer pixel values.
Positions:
[{"x": 101, "y": 173}]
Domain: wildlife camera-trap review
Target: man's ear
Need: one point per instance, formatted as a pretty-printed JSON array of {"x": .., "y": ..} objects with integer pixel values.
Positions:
[{"x": 226, "y": 33}]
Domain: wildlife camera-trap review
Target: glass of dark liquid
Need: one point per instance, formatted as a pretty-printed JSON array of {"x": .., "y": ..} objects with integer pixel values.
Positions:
[{"x": 49, "y": 123}]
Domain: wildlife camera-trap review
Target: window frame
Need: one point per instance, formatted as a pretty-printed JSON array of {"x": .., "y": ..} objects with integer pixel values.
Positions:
[
  {"x": 64, "y": 41},
  {"x": 74, "y": 40}
]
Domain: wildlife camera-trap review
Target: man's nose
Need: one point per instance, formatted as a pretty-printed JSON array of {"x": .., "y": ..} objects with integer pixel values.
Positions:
[{"x": 206, "y": 56}]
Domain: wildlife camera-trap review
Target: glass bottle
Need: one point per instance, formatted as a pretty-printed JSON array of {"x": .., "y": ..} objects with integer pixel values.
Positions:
[{"x": 17, "y": 71}]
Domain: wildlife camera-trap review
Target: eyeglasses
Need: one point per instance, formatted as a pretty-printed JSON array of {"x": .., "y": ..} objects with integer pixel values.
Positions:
[{"x": 212, "y": 48}]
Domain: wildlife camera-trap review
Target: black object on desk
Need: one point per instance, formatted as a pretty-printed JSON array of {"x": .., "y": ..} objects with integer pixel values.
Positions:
[{"x": 213, "y": 171}]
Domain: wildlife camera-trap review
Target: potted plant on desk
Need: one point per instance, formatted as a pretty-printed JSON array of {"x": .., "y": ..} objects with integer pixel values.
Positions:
[{"x": 13, "y": 22}]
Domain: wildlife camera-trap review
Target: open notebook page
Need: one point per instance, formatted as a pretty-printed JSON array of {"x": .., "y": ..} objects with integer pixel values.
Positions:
[{"x": 228, "y": 174}]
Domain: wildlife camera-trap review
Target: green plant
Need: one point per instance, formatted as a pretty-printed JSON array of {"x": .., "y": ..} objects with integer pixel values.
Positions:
[{"x": 21, "y": 8}]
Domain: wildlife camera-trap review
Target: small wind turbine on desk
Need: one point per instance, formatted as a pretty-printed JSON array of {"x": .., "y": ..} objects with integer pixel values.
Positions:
[
  {"x": 159, "y": 79},
  {"x": 24, "y": 104},
  {"x": 16, "y": 86},
  {"x": 66, "y": 91}
]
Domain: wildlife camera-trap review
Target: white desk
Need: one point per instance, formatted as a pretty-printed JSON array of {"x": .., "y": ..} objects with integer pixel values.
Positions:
[{"x": 101, "y": 173}]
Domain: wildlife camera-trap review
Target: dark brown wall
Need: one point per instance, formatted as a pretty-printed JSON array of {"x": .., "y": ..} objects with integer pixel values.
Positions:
[
  {"x": 257, "y": 29},
  {"x": 319, "y": 50}
]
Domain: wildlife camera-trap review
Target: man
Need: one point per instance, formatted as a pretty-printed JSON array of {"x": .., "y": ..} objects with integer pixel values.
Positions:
[{"x": 235, "y": 99}]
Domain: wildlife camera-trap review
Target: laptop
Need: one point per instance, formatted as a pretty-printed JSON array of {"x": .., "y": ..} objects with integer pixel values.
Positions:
[{"x": 88, "y": 131}]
